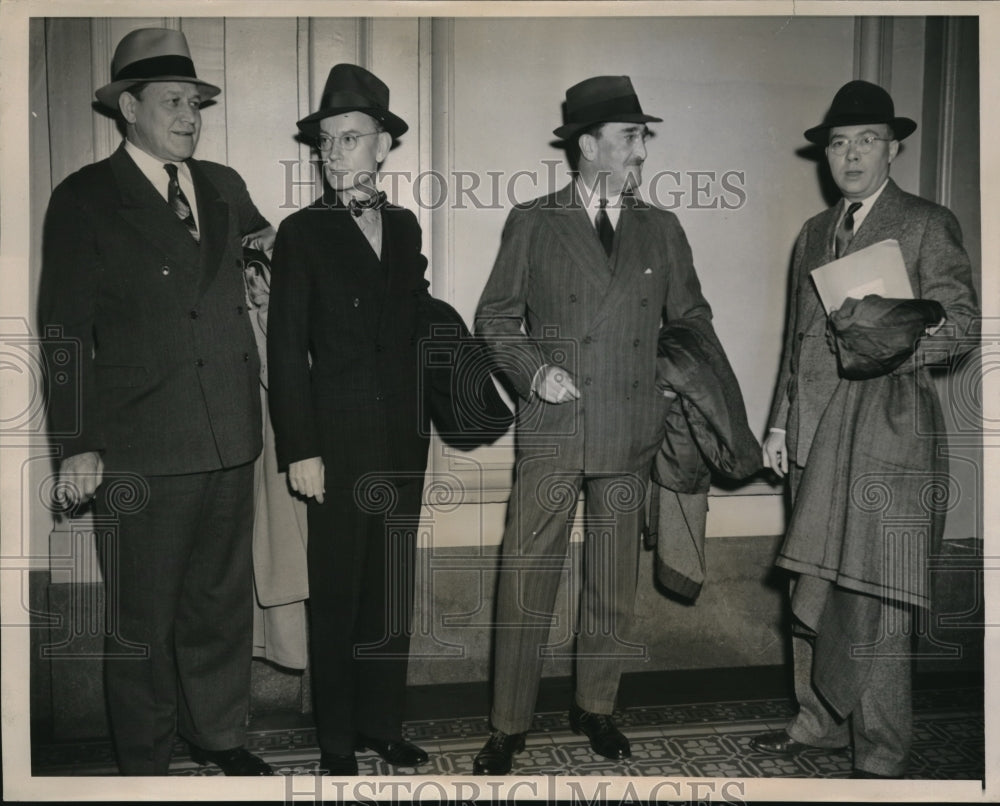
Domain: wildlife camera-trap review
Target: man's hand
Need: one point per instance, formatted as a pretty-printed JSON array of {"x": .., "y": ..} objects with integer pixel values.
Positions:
[
  {"x": 308, "y": 478},
  {"x": 555, "y": 385},
  {"x": 776, "y": 453},
  {"x": 79, "y": 477}
]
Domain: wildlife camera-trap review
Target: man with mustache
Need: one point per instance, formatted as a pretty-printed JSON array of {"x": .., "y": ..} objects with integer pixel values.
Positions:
[{"x": 583, "y": 282}]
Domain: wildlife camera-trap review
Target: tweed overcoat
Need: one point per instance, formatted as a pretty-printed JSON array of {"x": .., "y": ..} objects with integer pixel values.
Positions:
[
  {"x": 161, "y": 374},
  {"x": 554, "y": 297},
  {"x": 938, "y": 267}
]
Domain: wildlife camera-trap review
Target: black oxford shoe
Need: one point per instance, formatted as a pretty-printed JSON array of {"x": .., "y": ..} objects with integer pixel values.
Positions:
[
  {"x": 236, "y": 761},
  {"x": 400, "y": 753},
  {"x": 605, "y": 739},
  {"x": 337, "y": 764},
  {"x": 779, "y": 743},
  {"x": 497, "y": 754}
]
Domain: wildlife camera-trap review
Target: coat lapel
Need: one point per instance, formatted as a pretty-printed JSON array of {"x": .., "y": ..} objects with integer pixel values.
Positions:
[
  {"x": 145, "y": 210},
  {"x": 632, "y": 232},
  {"x": 213, "y": 220},
  {"x": 575, "y": 231}
]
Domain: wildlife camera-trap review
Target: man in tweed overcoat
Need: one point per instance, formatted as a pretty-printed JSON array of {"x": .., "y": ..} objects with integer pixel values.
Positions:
[{"x": 841, "y": 441}]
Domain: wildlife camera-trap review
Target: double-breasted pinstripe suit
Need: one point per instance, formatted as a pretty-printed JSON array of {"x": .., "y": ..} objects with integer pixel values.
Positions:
[{"x": 554, "y": 297}]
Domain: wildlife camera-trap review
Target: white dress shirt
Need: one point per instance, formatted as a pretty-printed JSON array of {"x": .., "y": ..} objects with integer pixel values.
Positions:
[{"x": 152, "y": 169}]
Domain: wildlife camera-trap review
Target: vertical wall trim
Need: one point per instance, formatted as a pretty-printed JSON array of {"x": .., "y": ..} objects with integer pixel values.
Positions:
[
  {"x": 946, "y": 121},
  {"x": 873, "y": 50},
  {"x": 443, "y": 153},
  {"x": 365, "y": 46},
  {"x": 425, "y": 103},
  {"x": 106, "y": 137},
  {"x": 305, "y": 37}
]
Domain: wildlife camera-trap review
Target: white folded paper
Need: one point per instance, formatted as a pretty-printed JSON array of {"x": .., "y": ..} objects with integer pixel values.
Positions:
[{"x": 876, "y": 269}]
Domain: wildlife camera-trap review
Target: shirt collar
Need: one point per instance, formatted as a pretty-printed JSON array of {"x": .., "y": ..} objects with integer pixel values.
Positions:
[{"x": 152, "y": 167}]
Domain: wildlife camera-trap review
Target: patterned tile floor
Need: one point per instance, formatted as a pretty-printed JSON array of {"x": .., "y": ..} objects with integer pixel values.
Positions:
[{"x": 699, "y": 740}]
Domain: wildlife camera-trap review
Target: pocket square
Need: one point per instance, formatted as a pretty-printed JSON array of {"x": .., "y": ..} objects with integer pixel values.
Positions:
[{"x": 648, "y": 271}]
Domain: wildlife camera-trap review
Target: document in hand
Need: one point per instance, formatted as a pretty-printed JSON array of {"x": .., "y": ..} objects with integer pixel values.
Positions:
[{"x": 876, "y": 269}]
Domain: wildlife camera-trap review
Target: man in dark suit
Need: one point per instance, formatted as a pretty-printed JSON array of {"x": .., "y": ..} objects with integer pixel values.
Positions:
[
  {"x": 834, "y": 432},
  {"x": 160, "y": 417},
  {"x": 347, "y": 291},
  {"x": 572, "y": 312}
]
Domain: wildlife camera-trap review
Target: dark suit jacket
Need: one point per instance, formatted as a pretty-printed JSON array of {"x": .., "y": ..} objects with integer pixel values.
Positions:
[
  {"x": 938, "y": 267},
  {"x": 597, "y": 317},
  {"x": 357, "y": 405},
  {"x": 162, "y": 373}
]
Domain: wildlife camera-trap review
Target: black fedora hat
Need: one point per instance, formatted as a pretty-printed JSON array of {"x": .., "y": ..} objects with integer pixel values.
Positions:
[
  {"x": 151, "y": 54},
  {"x": 859, "y": 102},
  {"x": 350, "y": 88},
  {"x": 601, "y": 99}
]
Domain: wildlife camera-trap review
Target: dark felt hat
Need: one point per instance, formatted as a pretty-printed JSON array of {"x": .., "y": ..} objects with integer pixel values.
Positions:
[
  {"x": 602, "y": 99},
  {"x": 350, "y": 88},
  {"x": 151, "y": 54},
  {"x": 856, "y": 103}
]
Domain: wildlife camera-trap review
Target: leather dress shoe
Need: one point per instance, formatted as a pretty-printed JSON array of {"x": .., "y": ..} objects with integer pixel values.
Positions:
[
  {"x": 337, "y": 764},
  {"x": 605, "y": 739},
  {"x": 497, "y": 755},
  {"x": 779, "y": 743},
  {"x": 400, "y": 753},
  {"x": 235, "y": 761}
]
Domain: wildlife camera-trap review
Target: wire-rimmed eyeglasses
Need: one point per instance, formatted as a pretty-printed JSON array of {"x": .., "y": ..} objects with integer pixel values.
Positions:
[
  {"x": 348, "y": 142},
  {"x": 863, "y": 143}
]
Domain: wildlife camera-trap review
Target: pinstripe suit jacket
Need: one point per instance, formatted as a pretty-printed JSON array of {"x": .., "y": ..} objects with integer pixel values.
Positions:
[
  {"x": 938, "y": 267},
  {"x": 554, "y": 297}
]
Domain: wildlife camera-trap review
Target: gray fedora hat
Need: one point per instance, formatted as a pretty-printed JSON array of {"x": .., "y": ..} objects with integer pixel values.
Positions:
[
  {"x": 151, "y": 54},
  {"x": 857, "y": 103}
]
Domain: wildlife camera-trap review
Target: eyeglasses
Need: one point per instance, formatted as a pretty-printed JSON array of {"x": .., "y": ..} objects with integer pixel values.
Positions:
[
  {"x": 348, "y": 142},
  {"x": 863, "y": 143}
]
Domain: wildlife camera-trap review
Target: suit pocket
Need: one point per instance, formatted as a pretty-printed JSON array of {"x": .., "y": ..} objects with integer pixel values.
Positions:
[{"x": 120, "y": 377}]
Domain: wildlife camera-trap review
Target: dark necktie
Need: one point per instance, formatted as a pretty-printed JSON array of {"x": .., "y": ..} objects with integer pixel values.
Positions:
[
  {"x": 605, "y": 231},
  {"x": 845, "y": 232},
  {"x": 376, "y": 202},
  {"x": 178, "y": 201}
]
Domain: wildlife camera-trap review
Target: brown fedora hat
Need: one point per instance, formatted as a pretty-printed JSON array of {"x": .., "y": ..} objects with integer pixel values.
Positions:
[
  {"x": 151, "y": 54},
  {"x": 602, "y": 99},
  {"x": 857, "y": 103},
  {"x": 350, "y": 88}
]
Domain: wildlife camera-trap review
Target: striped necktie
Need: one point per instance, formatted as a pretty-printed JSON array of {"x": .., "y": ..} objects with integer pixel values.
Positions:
[
  {"x": 845, "y": 232},
  {"x": 178, "y": 201},
  {"x": 605, "y": 231}
]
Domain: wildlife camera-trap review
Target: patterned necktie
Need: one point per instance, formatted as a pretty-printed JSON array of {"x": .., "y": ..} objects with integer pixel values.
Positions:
[
  {"x": 178, "y": 201},
  {"x": 845, "y": 232},
  {"x": 605, "y": 231}
]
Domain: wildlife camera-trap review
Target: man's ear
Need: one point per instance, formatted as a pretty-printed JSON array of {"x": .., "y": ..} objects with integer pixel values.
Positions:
[
  {"x": 588, "y": 146},
  {"x": 893, "y": 150},
  {"x": 384, "y": 144},
  {"x": 126, "y": 105}
]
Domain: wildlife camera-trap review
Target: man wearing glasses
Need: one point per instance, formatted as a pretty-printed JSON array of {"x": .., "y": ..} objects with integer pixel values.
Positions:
[
  {"x": 572, "y": 311},
  {"x": 347, "y": 285},
  {"x": 855, "y": 416}
]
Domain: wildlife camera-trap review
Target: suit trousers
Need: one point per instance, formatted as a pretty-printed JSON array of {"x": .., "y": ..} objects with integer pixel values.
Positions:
[
  {"x": 179, "y": 585},
  {"x": 361, "y": 586},
  {"x": 533, "y": 561},
  {"x": 881, "y": 724}
]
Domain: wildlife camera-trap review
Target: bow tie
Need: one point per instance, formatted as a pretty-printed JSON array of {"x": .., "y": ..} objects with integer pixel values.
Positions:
[{"x": 376, "y": 202}]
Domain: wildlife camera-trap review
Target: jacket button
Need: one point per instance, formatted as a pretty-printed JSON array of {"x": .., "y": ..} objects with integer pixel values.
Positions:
[
  {"x": 379, "y": 348},
  {"x": 635, "y": 384},
  {"x": 572, "y": 297},
  {"x": 588, "y": 381},
  {"x": 239, "y": 310},
  {"x": 635, "y": 343},
  {"x": 199, "y": 363},
  {"x": 357, "y": 302},
  {"x": 800, "y": 336},
  {"x": 165, "y": 270},
  {"x": 587, "y": 339},
  {"x": 194, "y": 314},
  {"x": 644, "y": 302},
  {"x": 378, "y": 395}
]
